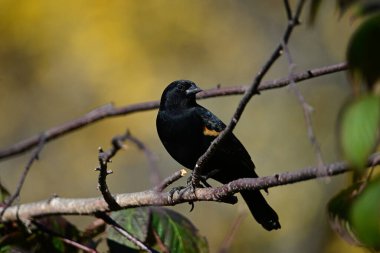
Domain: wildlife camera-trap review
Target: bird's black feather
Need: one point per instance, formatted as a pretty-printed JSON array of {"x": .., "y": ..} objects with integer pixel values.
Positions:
[{"x": 187, "y": 129}]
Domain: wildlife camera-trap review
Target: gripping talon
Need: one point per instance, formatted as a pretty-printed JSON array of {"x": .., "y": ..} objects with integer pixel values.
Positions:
[
  {"x": 174, "y": 190},
  {"x": 198, "y": 181}
]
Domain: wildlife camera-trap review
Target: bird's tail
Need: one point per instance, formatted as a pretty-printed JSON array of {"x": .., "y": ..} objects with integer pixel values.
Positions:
[{"x": 261, "y": 210}]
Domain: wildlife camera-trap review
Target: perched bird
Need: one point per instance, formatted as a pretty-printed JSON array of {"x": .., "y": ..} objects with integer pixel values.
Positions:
[{"x": 187, "y": 129}]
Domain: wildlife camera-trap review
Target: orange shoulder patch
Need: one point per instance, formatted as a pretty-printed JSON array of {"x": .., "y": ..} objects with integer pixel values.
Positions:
[{"x": 210, "y": 132}]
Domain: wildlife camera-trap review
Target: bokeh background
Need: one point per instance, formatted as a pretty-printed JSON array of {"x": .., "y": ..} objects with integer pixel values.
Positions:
[{"x": 61, "y": 59}]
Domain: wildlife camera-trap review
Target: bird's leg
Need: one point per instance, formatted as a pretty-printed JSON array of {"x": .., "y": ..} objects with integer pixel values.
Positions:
[
  {"x": 227, "y": 199},
  {"x": 189, "y": 186},
  {"x": 203, "y": 184},
  {"x": 180, "y": 190},
  {"x": 202, "y": 180}
]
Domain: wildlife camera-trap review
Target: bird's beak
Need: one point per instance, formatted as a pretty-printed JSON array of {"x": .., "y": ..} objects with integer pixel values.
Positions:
[{"x": 193, "y": 90}]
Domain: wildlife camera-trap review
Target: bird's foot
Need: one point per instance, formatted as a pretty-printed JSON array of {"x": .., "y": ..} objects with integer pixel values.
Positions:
[
  {"x": 200, "y": 181},
  {"x": 197, "y": 181},
  {"x": 191, "y": 184},
  {"x": 181, "y": 190},
  {"x": 176, "y": 190}
]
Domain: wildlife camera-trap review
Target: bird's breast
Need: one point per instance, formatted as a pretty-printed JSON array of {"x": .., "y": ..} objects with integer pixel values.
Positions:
[{"x": 183, "y": 142}]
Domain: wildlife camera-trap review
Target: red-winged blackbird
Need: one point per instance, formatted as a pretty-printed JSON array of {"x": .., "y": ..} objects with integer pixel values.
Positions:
[{"x": 187, "y": 129}]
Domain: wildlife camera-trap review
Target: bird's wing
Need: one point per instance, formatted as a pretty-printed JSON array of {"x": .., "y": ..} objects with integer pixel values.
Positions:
[
  {"x": 213, "y": 126},
  {"x": 232, "y": 148}
]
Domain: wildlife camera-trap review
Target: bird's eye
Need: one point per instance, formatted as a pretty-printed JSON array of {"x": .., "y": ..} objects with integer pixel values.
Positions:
[{"x": 181, "y": 87}]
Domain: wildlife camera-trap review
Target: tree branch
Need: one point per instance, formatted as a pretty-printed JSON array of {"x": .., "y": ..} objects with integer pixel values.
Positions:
[
  {"x": 231, "y": 233},
  {"x": 288, "y": 10},
  {"x": 306, "y": 107},
  {"x": 155, "y": 177},
  {"x": 169, "y": 180},
  {"x": 109, "y": 110},
  {"x": 90, "y": 206},
  {"x": 250, "y": 92},
  {"x": 104, "y": 159},
  {"x": 20, "y": 184}
]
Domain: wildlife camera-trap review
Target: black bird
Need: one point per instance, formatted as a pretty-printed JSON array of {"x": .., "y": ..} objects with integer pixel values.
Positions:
[{"x": 187, "y": 129}]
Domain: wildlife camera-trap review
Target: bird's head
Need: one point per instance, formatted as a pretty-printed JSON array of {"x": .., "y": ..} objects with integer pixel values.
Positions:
[{"x": 179, "y": 94}]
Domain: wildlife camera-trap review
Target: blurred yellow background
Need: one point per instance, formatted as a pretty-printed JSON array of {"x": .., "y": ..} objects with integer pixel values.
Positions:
[{"x": 60, "y": 59}]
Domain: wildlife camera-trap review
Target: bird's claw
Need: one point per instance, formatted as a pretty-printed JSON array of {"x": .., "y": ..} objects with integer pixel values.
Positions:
[
  {"x": 197, "y": 181},
  {"x": 180, "y": 190},
  {"x": 174, "y": 190},
  {"x": 193, "y": 182}
]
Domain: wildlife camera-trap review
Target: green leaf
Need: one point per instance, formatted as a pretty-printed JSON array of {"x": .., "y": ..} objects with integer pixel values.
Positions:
[
  {"x": 159, "y": 228},
  {"x": 58, "y": 244},
  {"x": 59, "y": 225},
  {"x": 135, "y": 220},
  {"x": 338, "y": 210},
  {"x": 365, "y": 215},
  {"x": 176, "y": 232},
  {"x": 10, "y": 249},
  {"x": 363, "y": 52},
  {"x": 48, "y": 233},
  {"x": 45, "y": 236},
  {"x": 359, "y": 129}
]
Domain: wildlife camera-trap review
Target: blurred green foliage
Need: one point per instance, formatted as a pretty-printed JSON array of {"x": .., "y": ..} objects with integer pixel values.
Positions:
[
  {"x": 339, "y": 212},
  {"x": 363, "y": 52},
  {"x": 365, "y": 216},
  {"x": 355, "y": 212},
  {"x": 159, "y": 228},
  {"x": 359, "y": 129},
  {"x": 42, "y": 235}
]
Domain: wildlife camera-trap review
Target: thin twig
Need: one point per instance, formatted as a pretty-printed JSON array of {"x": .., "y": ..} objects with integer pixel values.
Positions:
[
  {"x": 307, "y": 109},
  {"x": 155, "y": 177},
  {"x": 288, "y": 10},
  {"x": 169, "y": 180},
  {"x": 109, "y": 110},
  {"x": 95, "y": 228},
  {"x": 34, "y": 157},
  {"x": 118, "y": 143},
  {"x": 252, "y": 90},
  {"x": 228, "y": 239},
  {"x": 160, "y": 244},
  {"x": 104, "y": 158},
  {"x": 107, "y": 219},
  {"x": 102, "y": 183},
  {"x": 91, "y": 206}
]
